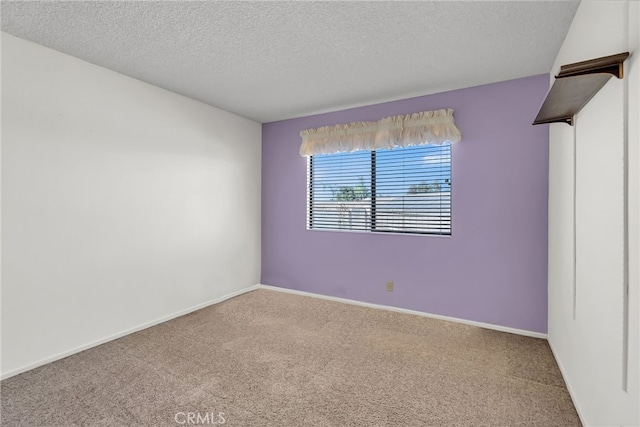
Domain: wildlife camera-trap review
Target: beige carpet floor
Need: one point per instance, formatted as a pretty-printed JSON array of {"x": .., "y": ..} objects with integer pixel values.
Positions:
[{"x": 268, "y": 358}]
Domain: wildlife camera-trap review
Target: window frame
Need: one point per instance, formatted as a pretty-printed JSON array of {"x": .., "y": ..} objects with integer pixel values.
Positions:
[{"x": 372, "y": 226}]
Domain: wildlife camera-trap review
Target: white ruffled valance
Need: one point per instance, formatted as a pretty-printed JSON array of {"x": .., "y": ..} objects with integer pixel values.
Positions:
[{"x": 427, "y": 127}]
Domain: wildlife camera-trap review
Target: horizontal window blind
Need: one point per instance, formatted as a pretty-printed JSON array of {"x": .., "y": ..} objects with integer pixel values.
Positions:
[{"x": 404, "y": 190}]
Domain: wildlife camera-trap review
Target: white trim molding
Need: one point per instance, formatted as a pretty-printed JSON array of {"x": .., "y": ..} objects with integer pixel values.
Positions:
[
  {"x": 407, "y": 311},
  {"x": 567, "y": 384},
  {"x": 146, "y": 325},
  {"x": 214, "y": 301}
]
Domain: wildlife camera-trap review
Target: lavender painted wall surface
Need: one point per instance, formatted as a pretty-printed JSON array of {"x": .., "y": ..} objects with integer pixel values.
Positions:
[{"x": 492, "y": 269}]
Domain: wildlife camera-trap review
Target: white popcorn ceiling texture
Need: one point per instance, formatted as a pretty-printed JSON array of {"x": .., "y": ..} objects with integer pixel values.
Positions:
[{"x": 275, "y": 60}]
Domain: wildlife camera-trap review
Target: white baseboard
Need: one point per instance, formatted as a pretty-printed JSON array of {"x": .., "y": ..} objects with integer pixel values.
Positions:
[
  {"x": 126, "y": 332},
  {"x": 567, "y": 383},
  {"x": 406, "y": 311},
  {"x": 95, "y": 343}
]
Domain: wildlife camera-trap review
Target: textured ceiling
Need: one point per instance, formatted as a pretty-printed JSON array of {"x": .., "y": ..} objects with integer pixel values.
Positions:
[{"x": 274, "y": 60}]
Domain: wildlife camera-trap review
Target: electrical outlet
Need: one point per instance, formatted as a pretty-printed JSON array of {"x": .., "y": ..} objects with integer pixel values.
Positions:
[{"x": 389, "y": 286}]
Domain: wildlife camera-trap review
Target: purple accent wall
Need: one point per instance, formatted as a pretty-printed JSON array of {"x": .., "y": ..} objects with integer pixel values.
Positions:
[{"x": 492, "y": 269}]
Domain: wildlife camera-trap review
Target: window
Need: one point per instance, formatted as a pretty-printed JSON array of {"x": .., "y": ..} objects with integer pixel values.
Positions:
[{"x": 401, "y": 190}]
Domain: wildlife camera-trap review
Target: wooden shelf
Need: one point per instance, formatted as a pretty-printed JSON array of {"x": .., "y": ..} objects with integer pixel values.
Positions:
[{"x": 575, "y": 85}]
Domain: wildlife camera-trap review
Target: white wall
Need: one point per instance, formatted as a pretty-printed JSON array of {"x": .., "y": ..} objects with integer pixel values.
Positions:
[
  {"x": 122, "y": 204},
  {"x": 590, "y": 348}
]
